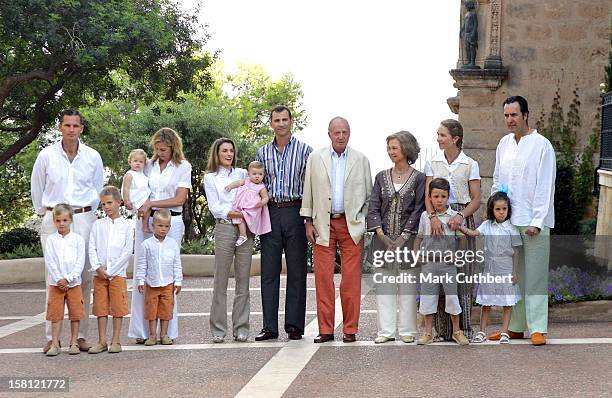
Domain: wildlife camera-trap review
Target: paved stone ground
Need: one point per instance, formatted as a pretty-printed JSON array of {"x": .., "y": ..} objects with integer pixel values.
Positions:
[{"x": 577, "y": 362}]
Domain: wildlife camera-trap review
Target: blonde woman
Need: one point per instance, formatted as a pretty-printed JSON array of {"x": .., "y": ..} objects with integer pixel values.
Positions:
[{"x": 169, "y": 181}]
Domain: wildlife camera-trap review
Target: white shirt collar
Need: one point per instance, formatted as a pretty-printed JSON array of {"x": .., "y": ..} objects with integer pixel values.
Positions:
[
  {"x": 462, "y": 158},
  {"x": 334, "y": 153}
]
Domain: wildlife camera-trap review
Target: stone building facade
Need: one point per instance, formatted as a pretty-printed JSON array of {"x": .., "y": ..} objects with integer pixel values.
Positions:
[{"x": 530, "y": 48}]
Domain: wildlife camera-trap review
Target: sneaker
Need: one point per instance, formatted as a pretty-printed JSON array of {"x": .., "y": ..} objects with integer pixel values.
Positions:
[
  {"x": 98, "y": 348},
  {"x": 48, "y": 345},
  {"x": 114, "y": 348},
  {"x": 504, "y": 338},
  {"x": 426, "y": 338},
  {"x": 407, "y": 339},
  {"x": 151, "y": 341},
  {"x": 460, "y": 338},
  {"x": 241, "y": 338},
  {"x": 241, "y": 239},
  {"x": 217, "y": 339},
  {"x": 53, "y": 351},
  {"x": 383, "y": 339},
  {"x": 166, "y": 340},
  {"x": 74, "y": 349}
]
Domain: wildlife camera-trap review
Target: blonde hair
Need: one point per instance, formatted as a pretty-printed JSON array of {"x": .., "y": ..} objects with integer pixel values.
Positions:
[
  {"x": 63, "y": 208},
  {"x": 213, "y": 154},
  {"x": 137, "y": 152},
  {"x": 255, "y": 164},
  {"x": 171, "y": 138},
  {"x": 162, "y": 215},
  {"x": 110, "y": 190}
]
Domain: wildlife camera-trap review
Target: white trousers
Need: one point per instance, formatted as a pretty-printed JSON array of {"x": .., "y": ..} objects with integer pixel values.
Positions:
[
  {"x": 139, "y": 327},
  {"x": 396, "y": 305},
  {"x": 81, "y": 224}
]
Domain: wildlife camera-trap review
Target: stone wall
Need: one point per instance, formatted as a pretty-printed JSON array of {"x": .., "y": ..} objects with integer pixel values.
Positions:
[{"x": 545, "y": 45}]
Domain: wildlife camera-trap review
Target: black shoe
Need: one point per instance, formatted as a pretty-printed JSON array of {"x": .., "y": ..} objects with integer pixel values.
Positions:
[
  {"x": 323, "y": 338},
  {"x": 349, "y": 338},
  {"x": 265, "y": 334},
  {"x": 293, "y": 333}
]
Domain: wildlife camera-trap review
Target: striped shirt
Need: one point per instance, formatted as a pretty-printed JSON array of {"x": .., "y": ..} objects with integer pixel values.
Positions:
[{"x": 284, "y": 172}]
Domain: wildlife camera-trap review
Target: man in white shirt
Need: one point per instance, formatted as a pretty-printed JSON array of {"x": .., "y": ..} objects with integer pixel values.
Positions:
[
  {"x": 69, "y": 172},
  {"x": 337, "y": 188},
  {"x": 525, "y": 168}
]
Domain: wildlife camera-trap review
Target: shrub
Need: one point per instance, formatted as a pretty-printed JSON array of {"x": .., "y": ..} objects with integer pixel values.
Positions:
[
  {"x": 569, "y": 284},
  {"x": 23, "y": 251},
  {"x": 11, "y": 240}
]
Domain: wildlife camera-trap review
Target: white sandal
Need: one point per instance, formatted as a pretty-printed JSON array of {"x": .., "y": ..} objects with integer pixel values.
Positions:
[
  {"x": 480, "y": 337},
  {"x": 504, "y": 338}
]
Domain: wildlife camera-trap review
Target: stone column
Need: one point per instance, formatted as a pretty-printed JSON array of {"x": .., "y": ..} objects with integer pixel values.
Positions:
[{"x": 603, "y": 249}]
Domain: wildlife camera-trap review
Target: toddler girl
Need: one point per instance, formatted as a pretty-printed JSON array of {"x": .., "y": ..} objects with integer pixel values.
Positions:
[
  {"x": 135, "y": 187},
  {"x": 251, "y": 200},
  {"x": 501, "y": 258}
]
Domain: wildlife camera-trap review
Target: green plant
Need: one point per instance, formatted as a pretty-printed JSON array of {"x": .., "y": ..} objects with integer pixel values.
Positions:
[
  {"x": 23, "y": 251},
  {"x": 11, "y": 240},
  {"x": 575, "y": 169},
  {"x": 199, "y": 246}
]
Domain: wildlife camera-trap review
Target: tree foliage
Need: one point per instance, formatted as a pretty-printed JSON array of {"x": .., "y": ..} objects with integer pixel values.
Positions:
[{"x": 66, "y": 53}]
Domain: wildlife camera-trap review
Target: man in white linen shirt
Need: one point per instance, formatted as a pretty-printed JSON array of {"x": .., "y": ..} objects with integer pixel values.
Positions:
[
  {"x": 69, "y": 172},
  {"x": 525, "y": 167}
]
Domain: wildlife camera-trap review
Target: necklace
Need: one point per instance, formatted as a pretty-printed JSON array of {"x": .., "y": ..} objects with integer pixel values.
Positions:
[{"x": 399, "y": 175}]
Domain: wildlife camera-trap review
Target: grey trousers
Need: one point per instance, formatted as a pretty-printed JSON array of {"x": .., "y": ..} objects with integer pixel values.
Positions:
[{"x": 226, "y": 252}]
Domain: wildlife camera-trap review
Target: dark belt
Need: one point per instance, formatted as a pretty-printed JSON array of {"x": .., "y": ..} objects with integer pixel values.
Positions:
[
  {"x": 337, "y": 215},
  {"x": 292, "y": 203},
  {"x": 172, "y": 212},
  {"x": 76, "y": 210}
]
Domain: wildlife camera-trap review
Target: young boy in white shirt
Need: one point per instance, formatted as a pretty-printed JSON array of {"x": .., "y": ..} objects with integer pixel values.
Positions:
[
  {"x": 110, "y": 246},
  {"x": 64, "y": 260},
  {"x": 160, "y": 268},
  {"x": 439, "y": 189}
]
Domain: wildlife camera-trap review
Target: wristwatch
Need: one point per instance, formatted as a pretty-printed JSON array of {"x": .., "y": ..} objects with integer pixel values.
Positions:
[{"x": 405, "y": 235}]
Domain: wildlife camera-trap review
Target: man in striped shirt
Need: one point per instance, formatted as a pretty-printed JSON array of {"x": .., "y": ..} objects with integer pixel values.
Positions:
[{"x": 284, "y": 161}]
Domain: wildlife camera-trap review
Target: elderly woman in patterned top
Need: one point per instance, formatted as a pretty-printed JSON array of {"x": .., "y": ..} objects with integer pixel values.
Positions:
[
  {"x": 396, "y": 204},
  {"x": 463, "y": 175}
]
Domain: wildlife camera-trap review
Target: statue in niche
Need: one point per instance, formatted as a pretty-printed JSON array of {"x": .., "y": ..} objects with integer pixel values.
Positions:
[{"x": 469, "y": 34}]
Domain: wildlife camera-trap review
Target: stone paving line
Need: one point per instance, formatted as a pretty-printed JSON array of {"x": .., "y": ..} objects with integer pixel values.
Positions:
[{"x": 275, "y": 377}]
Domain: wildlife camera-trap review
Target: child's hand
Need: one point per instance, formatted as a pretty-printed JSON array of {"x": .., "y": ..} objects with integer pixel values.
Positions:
[
  {"x": 228, "y": 188},
  {"x": 514, "y": 279},
  {"x": 177, "y": 289},
  {"x": 141, "y": 289},
  {"x": 63, "y": 284},
  {"x": 101, "y": 273}
]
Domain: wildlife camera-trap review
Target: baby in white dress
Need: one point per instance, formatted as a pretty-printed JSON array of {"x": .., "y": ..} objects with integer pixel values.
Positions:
[{"x": 135, "y": 188}]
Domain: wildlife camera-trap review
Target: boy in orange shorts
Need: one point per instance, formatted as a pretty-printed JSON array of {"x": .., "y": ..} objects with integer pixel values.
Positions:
[
  {"x": 110, "y": 246},
  {"x": 159, "y": 267},
  {"x": 64, "y": 260}
]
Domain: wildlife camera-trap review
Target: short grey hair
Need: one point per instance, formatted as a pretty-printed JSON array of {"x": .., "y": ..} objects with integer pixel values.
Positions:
[
  {"x": 338, "y": 118},
  {"x": 409, "y": 144}
]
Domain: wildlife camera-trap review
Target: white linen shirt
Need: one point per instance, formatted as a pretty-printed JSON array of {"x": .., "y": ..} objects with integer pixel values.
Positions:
[
  {"x": 461, "y": 159},
  {"x": 160, "y": 263},
  {"x": 55, "y": 179},
  {"x": 164, "y": 184},
  {"x": 110, "y": 245},
  {"x": 337, "y": 176},
  {"x": 527, "y": 171},
  {"x": 65, "y": 258},
  {"x": 219, "y": 201}
]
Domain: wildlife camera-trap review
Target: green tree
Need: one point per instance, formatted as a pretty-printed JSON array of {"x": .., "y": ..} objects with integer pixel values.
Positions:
[{"x": 60, "y": 53}]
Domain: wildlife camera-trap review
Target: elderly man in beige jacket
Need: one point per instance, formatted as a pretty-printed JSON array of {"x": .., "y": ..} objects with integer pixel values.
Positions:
[{"x": 335, "y": 205}]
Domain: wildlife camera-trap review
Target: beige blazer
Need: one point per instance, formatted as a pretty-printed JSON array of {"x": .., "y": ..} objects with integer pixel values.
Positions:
[{"x": 317, "y": 198}]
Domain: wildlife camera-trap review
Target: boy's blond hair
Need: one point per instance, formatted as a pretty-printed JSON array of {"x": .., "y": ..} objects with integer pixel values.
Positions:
[
  {"x": 63, "y": 208},
  {"x": 110, "y": 190},
  {"x": 137, "y": 152},
  {"x": 162, "y": 215}
]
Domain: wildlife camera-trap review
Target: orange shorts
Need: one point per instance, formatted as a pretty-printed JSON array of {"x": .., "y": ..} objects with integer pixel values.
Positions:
[
  {"x": 159, "y": 302},
  {"x": 73, "y": 297},
  {"x": 110, "y": 297}
]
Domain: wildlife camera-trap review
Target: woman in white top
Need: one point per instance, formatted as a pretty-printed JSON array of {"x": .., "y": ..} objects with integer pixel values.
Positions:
[
  {"x": 463, "y": 175},
  {"x": 219, "y": 174},
  {"x": 170, "y": 181}
]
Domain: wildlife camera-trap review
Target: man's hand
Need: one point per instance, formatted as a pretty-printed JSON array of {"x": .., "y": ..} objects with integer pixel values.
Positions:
[
  {"x": 436, "y": 226},
  {"x": 101, "y": 273},
  {"x": 532, "y": 231},
  {"x": 141, "y": 289},
  {"x": 177, "y": 289},
  {"x": 311, "y": 232}
]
